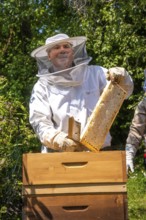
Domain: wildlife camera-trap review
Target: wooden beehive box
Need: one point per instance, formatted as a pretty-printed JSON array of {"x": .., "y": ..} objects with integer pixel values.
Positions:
[{"x": 75, "y": 186}]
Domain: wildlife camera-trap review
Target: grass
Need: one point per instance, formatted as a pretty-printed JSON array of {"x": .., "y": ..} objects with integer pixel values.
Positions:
[{"x": 136, "y": 190}]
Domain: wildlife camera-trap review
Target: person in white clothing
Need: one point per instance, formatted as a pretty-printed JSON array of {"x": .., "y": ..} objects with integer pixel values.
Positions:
[{"x": 67, "y": 87}]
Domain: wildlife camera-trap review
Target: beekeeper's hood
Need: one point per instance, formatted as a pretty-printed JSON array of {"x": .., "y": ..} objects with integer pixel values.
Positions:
[{"x": 80, "y": 54}]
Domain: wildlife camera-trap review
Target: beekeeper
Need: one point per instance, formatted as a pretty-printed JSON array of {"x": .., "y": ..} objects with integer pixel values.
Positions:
[
  {"x": 67, "y": 86},
  {"x": 137, "y": 131}
]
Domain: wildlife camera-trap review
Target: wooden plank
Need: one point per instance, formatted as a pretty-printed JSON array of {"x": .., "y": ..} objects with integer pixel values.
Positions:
[
  {"x": 77, "y": 207},
  {"x": 74, "y": 129},
  {"x": 74, "y": 167},
  {"x": 72, "y": 188},
  {"x": 102, "y": 117}
]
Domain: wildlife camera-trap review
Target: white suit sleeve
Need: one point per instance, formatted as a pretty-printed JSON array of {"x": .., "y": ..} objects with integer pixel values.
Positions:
[{"x": 40, "y": 114}]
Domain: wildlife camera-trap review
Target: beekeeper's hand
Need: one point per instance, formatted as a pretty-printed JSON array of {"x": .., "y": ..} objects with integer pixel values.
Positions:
[
  {"x": 62, "y": 143},
  {"x": 130, "y": 154},
  {"x": 116, "y": 74},
  {"x": 121, "y": 76}
]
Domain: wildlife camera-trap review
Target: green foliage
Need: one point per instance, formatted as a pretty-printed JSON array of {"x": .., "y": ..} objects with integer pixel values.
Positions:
[
  {"x": 116, "y": 37},
  {"x": 136, "y": 190}
]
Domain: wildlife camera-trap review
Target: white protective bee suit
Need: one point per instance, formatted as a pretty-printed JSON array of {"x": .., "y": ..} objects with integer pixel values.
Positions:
[{"x": 72, "y": 92}]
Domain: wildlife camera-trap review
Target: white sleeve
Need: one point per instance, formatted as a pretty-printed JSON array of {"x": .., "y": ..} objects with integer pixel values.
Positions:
[
  {"x": 40, "y": 114},
  {"x": 103, "y": 78}
]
